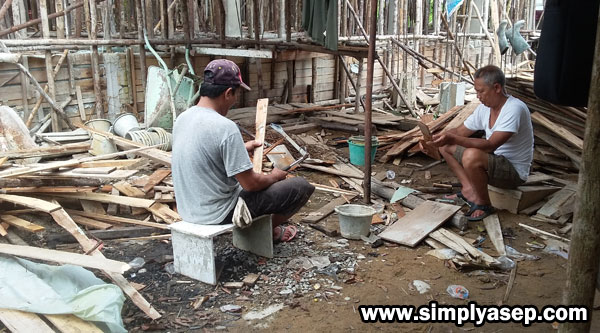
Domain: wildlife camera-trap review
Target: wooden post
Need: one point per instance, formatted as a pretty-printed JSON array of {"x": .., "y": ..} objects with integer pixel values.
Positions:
[
  {"x": 584, "y": 251},
  {"x": 140, "y": 25},
  {"x": 257, "y": 30},
  {"x": 282, "y": 18},
  {"x": 49, "y": 75},
  {"x": 369, "y": 102},
  {"x": 149, "y": 10},
  {"x": 313, "y": 83},
  {"x": 357, "y": 87},
  {"x": 92, "y": 34},
  {"x": 19, "y": 16},
  {"x": 495, "y": 23}
]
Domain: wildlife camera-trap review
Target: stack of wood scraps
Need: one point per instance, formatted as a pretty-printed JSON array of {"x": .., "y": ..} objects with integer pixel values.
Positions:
[{"x": 558, "y": 130}]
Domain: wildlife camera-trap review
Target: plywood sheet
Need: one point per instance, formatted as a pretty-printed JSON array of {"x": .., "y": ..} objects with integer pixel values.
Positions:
[{"x": 417, "y": 224}]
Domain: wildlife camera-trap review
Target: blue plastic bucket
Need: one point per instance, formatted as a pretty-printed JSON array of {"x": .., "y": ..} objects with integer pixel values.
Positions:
[{"x": 356, "y": 145}]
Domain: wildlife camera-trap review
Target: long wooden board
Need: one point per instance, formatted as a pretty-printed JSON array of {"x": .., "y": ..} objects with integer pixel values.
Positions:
[
  {"x": 492, "y": 225},
  {"x": 117, "y": 219},
  {"x": 63, "y": 219},
  {"x": 51, "y": 151},
  {"x": 557, "y": 129},
  {"x": 64, "y": 257},
  {"x": 20, "y": 321},
  {"x": 261, "y": 129},
  {"x": 88, "y": 222},
  {"x": 72, "y": 324},
  {"x": 108, "y": 198},
  {"x": 21, "y": 224},
  {"x": 38, "y": 204},
  {"x": 417, "y": 224}
]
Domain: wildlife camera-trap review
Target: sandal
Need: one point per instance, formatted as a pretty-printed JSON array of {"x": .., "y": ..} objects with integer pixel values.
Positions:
[
  {"x": 284, "y": 234},
  {"x": 486, "y": 209},
  {"x": 459, "y": 195}
]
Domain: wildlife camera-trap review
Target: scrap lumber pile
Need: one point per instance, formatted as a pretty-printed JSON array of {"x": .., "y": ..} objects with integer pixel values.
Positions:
[
  {"x": 83, "y": 194},
  {"x": 558, "y": 130},
  {"x": 399, "y": 143}
]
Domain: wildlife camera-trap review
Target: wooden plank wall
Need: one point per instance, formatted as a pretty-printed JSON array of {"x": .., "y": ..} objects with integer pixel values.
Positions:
[{"x": 11, "y": 93}]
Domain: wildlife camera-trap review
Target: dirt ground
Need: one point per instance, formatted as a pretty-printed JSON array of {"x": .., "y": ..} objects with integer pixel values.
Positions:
[{"x": 327, "y": 298}]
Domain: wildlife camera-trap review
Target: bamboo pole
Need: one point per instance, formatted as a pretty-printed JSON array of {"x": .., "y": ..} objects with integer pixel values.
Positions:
[
  {"x": 584, "y": 249},
  {"x": 38, "y": 103},
  {"x": 349, "y": 76},
  {"x": 358, "y": 99},
  {"x": 48, "y": 61},
  {"x": 4, "y": 8},
  {"x": 369, "y": 103},
  {"x": 39, "y": 20}
]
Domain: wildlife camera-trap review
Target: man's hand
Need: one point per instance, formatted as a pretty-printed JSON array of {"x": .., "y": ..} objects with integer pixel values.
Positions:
[
  {"x": 442, "y": 139},
  {"x": 252, "y": 144},
  {"x": 279, "y": 174}
]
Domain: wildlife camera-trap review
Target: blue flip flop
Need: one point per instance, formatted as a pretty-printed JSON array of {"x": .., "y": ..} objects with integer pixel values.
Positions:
[
  {"x": 463, "y": 198},
  {"x": 486, "y": 209}
]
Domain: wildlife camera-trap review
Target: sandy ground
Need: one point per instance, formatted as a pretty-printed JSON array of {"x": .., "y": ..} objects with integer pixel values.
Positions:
[{"x": 319, "y": 302}]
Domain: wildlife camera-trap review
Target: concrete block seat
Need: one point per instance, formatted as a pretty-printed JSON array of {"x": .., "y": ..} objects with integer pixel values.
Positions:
[{"x": 193, "y": 246}]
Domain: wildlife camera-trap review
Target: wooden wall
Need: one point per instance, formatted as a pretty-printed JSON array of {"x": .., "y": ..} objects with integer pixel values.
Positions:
[{"x": 77, "y": 72}]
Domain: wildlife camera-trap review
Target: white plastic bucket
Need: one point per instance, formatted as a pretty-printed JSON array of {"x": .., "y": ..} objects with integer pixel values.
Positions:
[
  {"x": 101, "y": 145},
  {"x": 355, "y": 220},
  {"x": 125, "y": 123}
]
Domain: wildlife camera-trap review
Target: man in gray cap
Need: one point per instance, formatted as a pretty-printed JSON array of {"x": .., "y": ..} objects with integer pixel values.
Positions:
[{"x": 212, "y": 172}]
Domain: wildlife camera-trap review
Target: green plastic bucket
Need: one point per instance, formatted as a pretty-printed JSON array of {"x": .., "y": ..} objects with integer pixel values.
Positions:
[{"x": 356, "y": 145}]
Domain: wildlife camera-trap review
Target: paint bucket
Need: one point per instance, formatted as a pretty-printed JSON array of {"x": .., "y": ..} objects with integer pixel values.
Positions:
[
  {"x": 101, "y": 145},
  {"x": 124, "y": 123},
  {"x": 356, "y": 146},
  {"x": 355, "y": 220}
]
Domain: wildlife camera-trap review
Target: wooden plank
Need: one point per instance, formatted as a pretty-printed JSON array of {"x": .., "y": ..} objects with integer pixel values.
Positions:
[
  {"x": 97, "y": 170},
  {"x": 417, "y": 224},
  {"x": 92, "y": 207},
  {"x": 49, "y": 189},
  {"x": 50, "y": 151},
  {"x": 520, "y": 198},
  {"x": 261, "y": 128},
  {"x": 72, "y": 324},
  {"x": 557, "y": 129},
  {"x": 561, "y": 203},
  {"x": 165, "y": 213},
  {"x": 64, "y": 257},
  {"x": 129, "y": 190},
  {"x": 82, "y": 114},
  {"x": 21, "y": 224},
  {"x": 155, "y": 179},
  {"x": 91, "y": 223},
  {"x": 64, "y": 220},
  {"x": 324, "y": 211},
  {"x": 117, "y": 219},
  {"x": 34, "y": 203},
  {"x": 492, "y": 225},
  {"x": 110, "y": 163},
  {"x": 20, "y": 321},
  {"x": 107, "y": 198},
  {"x": 3, "y": 229}
]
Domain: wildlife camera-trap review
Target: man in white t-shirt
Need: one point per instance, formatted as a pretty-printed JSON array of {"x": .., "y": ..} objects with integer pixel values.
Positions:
[{"x": 503, "y": 158}]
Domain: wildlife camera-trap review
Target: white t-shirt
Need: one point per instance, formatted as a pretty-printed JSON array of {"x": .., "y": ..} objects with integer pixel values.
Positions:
[{"x": 514, "y": 117}]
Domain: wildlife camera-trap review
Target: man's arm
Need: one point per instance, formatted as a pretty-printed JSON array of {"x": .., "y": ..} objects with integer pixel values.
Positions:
[
  {"x": 252, "y": 181},
  {"x": 461, "y": 137}
]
